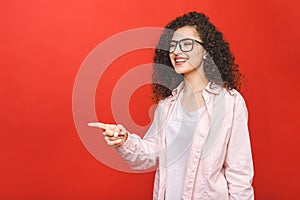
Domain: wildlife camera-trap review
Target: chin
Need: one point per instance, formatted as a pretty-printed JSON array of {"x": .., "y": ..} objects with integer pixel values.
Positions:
[
  {"x": 182, "y": 69},
  {"x": 179, "y": 71}
]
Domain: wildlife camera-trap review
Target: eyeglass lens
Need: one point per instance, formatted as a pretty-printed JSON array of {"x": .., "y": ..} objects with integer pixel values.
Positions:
[{"x": 185, "y": 45}]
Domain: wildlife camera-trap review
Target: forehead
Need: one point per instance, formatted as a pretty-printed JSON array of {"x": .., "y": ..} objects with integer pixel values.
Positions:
[{"x": 186, "y": 32}]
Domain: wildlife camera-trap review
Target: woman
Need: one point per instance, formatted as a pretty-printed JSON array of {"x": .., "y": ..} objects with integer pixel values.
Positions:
[{"x": 199, "y": 136}]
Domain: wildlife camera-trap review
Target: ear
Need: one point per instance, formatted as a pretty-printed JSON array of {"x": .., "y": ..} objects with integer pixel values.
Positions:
[{"x": 205, "y": 54}]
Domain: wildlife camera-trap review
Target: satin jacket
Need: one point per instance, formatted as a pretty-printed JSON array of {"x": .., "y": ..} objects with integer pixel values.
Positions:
[{"x": 220, "y": 161}]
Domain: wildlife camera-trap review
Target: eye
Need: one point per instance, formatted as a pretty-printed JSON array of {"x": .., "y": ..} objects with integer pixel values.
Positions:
[{"x": 187, "y": 43}]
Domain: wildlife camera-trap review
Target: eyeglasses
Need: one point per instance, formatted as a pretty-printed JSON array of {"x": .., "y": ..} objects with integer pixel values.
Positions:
[{"x": 185, "y": 45}]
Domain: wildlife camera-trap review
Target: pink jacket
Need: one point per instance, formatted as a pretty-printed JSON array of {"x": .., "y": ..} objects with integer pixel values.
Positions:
[{"x": 220, "y": 161}]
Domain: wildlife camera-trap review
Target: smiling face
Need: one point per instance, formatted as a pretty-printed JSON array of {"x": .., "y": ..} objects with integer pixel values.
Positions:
[{"x": 187, "y": 62}]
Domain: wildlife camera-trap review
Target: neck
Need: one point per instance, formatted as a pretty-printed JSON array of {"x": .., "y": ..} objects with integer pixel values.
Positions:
[{"x": 195, "y": 82}]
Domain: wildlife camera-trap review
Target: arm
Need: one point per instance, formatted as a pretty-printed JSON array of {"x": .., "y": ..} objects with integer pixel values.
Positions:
[
  {"x": 137, "y": 152},
  {"x": 143, "y": 153},
  {"x": 238, "y": 163}
]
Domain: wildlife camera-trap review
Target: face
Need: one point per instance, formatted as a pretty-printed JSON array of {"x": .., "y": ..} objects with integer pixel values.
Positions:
[{"x": 187, "y": 62}]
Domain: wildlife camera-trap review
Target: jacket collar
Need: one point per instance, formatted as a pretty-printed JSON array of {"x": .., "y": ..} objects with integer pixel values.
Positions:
[{"x": 210, "y": 88}]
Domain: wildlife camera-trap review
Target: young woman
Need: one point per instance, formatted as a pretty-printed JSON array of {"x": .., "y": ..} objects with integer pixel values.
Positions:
[{"x": 199, "y": 137}]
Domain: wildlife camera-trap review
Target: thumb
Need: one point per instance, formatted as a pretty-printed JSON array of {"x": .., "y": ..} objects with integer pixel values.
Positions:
[{"x": 122, "y": 128}]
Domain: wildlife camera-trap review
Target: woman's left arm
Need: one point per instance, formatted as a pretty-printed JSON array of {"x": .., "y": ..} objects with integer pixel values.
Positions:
[{"x": 238, "y": 162}]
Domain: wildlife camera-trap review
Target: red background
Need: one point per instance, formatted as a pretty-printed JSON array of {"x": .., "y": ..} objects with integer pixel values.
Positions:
[{"x": 43, "y": 44}]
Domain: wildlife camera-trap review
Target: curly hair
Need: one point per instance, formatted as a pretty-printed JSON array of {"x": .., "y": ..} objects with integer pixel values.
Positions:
[{"x": 224, "y": 73}]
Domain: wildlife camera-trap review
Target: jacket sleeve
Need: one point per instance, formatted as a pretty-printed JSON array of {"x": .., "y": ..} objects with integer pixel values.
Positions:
[
  {"x": 238, "y": 163},
  {"x": 140, "y": 153}
]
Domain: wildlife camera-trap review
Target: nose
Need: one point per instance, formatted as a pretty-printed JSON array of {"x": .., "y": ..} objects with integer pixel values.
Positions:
[{"x": 177, "y": 49}]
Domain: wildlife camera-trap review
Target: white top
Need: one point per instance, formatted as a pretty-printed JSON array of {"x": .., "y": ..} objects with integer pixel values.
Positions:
[{"x": 178, "y": 146}]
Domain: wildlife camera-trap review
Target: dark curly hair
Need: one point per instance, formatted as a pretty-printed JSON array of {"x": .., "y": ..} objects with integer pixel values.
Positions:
[{"x": 219, "y": 67}]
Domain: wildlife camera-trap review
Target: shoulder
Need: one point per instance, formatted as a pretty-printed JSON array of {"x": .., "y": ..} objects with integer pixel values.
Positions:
[
  {"x": 175, "y": 92},
  {"x": 164, "y": 103},
  {"x": 239, "y": 104},
  {"x": 232, "y": 99},
  {"x": 234, "y": 95}
]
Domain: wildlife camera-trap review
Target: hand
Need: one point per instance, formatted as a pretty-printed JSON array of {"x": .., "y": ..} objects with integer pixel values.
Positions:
[{"x": 114, "y": 134}]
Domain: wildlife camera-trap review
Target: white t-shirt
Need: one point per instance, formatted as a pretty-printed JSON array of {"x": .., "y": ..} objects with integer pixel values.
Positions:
[{"x": 178, "y": 146}]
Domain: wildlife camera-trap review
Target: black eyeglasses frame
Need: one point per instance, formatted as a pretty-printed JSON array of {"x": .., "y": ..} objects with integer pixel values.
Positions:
[{"x": 179, "y": 41}]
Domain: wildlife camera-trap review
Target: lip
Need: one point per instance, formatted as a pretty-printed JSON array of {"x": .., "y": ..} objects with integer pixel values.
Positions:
[{"x": 180, "y": 60}]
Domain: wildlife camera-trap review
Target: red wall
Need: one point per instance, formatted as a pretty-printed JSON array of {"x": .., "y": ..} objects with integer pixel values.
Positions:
[{"x": 43, "y": 44}]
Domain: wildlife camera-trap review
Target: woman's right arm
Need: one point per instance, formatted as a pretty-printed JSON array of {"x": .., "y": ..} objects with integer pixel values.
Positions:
[{"x": 140, "y": 153}]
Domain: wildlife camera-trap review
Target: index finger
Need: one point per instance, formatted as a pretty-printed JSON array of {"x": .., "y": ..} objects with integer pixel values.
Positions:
[{"x": 98, "y": 125}]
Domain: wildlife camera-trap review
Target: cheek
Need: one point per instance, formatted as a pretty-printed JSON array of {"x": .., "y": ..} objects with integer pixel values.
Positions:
[
  {"x": 196, "y": 58},
  {"x": 172, "y": 57}
]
